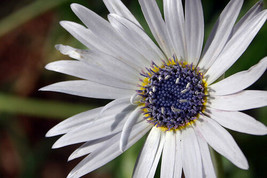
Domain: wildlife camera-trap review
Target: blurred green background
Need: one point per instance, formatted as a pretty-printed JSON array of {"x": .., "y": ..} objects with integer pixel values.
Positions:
[{"x": 29, "y": 29}]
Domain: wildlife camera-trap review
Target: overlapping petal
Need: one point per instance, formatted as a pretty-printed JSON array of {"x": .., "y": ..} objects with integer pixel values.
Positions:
[
  {"x": 133, "y": 118},
  {"x": 149, "y": 156},
  {"x": 105, "y": 33},
  {"x": 236, "y": 46},
  {"x": 88, "y": 89},
  {"x": 157, "y": 25},
  {"x": 178, "y": 155},
  {"x": 194, "y": 38},
  {"x": 90, "y": 73},
  {"x": 220, "y": 33},
  {"x": 102, "y": 61},
  {"x": 74, "y": 122},
  {"x": 244, "y": 100},
  {"x": 257, "y": 8},
  {"x": 240, "y": 80},
  {"x": 192, "y": 164},
  {"x": 174, "y": 18},
  {"x": 168, "y": 156},
  {"x": 137, "y": 38},
  {"x": 117, "y": 7},
  {"x": 108, "y": 152},
  {"x": 238, "y": 121},
  {"x": 90, "y": 146},
  {"x": 208, "y": 168},
  {"x": 98, "y": 128},
  {"x": 221, "y": 141}
]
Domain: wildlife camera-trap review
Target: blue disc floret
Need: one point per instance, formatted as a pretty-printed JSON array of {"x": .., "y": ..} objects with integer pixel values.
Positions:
[{"x": 173, "y": 95}]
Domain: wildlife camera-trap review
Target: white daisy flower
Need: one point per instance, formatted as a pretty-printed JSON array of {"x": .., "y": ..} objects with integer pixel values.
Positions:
[{"x": 168, "y": 89}]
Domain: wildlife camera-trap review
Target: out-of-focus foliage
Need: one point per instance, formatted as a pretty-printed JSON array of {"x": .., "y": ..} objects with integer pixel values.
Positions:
[{"x": 29, "y": 30}]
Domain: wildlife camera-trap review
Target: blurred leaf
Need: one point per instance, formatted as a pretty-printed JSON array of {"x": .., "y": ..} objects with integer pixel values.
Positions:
[
  {"x": 40, "y": 108},
  {"x": 27, "y": 13}
]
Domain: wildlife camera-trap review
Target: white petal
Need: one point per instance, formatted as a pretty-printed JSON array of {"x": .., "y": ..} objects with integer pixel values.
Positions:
[
  {"x": 168, "y": 156},
  {"x": 103, "y": 62},
  {"x": 73, "y": 122},
  {"x": 88, "y": 38},
  {"x": 157, "y": 157},
  {"x": 194, "y": 30},
  {"x": 220, "y": 33},
  {"x": 209, "y": 171},
  {"x": 91, "y": 73},
  {"x": 221, "y": 141},
  {"x": 147, "y": 156},
  {"x": 104, "y": 32},
  {"x": 79, "y": 32},
  {"x": 138, "y": 131},
  {"x": 157, "y": 25},
  {"x": 108, "y": 152},
  {"x": 174, "y": 17},
  {"x": 258, "y": 7},
  {"x": 235, "y": 47},
  {"x": 178, "y": 156},
  {"x": 128, "y": 126},
  {"x": 98, "y": 128},
  {"x": 90, "y": 146},
  {"x": 117, "y": 7},
  {"x": 137, "y": 38},
  {"x": 98, "y": 42},
  {"x": 244, "y": 100},
  {"x": 109, "y": 108},
  {"x": 71, "y": 52},
  {"x": 114, "y": 107},
  {"x": 192, "y": 164},
  {"x": 240, "y": 80},
  {"x": 238, "y": 121},
  {"x": 135, "y": 99},
  {"x": 88, "y": 89}
]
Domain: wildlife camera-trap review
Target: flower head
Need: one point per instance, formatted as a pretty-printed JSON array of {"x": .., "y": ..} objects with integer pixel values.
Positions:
[{"x": 169, "y": 90}]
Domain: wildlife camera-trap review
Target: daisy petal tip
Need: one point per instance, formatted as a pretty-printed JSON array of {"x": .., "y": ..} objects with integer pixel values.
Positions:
[
  {"x": 113, "y": 16},
  {"x": 48, "y": 66},
  {"x": 50, "y": 133},
  {"x": 58, "y": 46},
  {"x": 264, "y": 131},
  {"x": 261, "y": 129},
  {"x": 43, "y": 89},
  {"x": 55, "y": 131},
  {"x": 122, "y": 147},
  {"x": 72, "y": 156},
  {"x": 66, "y": 24},
  {"x": 245, "y": 166},
  {"x": 63, "y": 23},
  {"x": 123, "y": 143},
  {"x": 72, "y": 175},
  {"x": 74, "y": 6},
  {"x": 56, "y": 145},
  {"x": 242, "y": 162},
  {"x": 75, "y": 173}
]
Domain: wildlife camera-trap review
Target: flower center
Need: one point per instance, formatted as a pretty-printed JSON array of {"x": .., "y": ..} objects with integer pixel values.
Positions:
[{"x": 173, "y": 95}]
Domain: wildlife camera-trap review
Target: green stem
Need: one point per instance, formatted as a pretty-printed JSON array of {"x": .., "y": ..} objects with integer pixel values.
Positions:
[
  {"x": 27, "y": 13},
  {"x": 40, "y": 108},
  {"x": 217, "y": 162}
]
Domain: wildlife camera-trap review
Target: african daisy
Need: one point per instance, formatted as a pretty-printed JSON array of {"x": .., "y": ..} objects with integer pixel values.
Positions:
[{"x": 169, "y": 89}]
